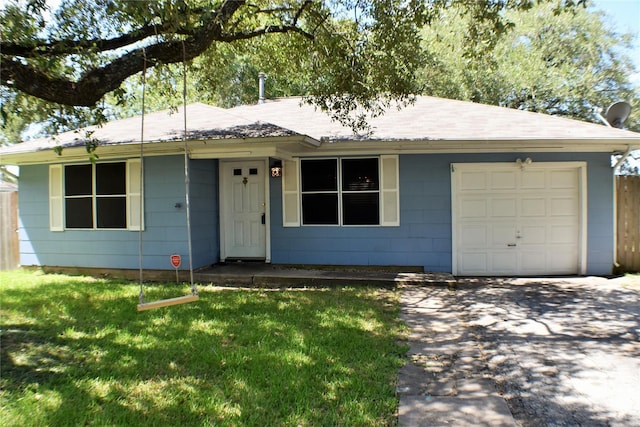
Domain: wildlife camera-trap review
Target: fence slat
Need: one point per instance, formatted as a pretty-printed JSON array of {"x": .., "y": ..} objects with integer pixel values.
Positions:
[
  {"x": 628, "y": 222},
  {"x": 9, "y": 244}
]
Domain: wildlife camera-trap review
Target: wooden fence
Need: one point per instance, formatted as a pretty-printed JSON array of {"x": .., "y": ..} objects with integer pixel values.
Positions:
[
  {"x": 9, "y": 245},
  {"x": 628, "y": 222}
]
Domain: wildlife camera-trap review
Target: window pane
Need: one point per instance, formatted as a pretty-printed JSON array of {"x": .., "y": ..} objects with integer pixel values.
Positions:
[
  {"x": 112, "y": 212},
  {"x": 320, "y": 209},
  {"x": 79, "y": 213},
  {"x": 360, "y": 209},
  {"x": 319, "y": 175},
  {"x": 111, "y": 178},
  {"x": 360, "y": 174},
  {"x": 77, "y": 180}
]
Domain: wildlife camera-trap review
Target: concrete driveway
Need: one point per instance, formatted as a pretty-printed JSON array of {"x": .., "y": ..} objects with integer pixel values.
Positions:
[{"x": 523, "y": 352}]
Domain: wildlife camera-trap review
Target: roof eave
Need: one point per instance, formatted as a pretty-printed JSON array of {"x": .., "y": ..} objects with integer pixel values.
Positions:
[
  {"x": 425, "y": 146},
  {"x": 300, "y": 145},
  {"x": 210, "y": 148}
]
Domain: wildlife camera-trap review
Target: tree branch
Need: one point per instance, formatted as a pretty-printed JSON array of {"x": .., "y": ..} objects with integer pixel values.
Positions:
[
  {"x": 94, "y": 84},
  {"x": 20, "y": 73},
  {"x": 270, "y": 29},
  {"x": 69, "y": 47},
  {"x": 300, "y": 11}
]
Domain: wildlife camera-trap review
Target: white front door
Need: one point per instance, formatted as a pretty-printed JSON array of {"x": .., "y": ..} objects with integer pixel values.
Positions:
[
  {"x": 243, "y": 210},
  {"x": 511, "y": 219}
]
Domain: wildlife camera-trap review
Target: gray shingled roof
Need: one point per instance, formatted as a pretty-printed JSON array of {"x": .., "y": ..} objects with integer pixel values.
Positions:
[
  {"x": 203, "y": 122},
  {"x": 428, "y": 119},
  {"x": 433, "y": 119}
]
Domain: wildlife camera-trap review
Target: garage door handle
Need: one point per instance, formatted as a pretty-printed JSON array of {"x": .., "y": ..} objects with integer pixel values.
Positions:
[{"x": 511, "y": 245}]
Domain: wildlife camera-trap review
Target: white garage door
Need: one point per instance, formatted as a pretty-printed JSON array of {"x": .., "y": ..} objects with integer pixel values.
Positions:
[{"x": 518, "y": 219}]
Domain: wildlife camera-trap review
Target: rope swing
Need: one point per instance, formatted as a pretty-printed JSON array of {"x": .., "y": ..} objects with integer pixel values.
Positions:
[{"x": 194, "y": 290}]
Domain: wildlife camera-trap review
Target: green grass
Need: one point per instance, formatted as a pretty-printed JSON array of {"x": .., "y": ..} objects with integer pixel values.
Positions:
[{"x": 76, "y": 352}]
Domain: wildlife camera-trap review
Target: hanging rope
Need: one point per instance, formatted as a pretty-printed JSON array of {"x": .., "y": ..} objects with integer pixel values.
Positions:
[
  {"x": 194, "y": 290},
  {"x": 144, "y": 86}
]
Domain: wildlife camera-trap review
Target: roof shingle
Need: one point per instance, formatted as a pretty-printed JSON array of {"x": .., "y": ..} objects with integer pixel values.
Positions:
[{"x": 428, "y": 118}]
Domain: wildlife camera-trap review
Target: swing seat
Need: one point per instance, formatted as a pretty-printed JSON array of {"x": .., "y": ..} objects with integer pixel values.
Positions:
[{"x": 167, "y": 302}]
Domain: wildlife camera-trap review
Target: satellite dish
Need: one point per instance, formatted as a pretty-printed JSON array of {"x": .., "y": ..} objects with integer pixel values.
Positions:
[{"x": 617, "y": 113}]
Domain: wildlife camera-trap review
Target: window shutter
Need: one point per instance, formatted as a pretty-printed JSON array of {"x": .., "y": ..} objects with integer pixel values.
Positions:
[
  {"x": 135, "y": 208},
  {"x": 389, "y": 191},
  {"x": 290, "y": 194},
  {"x": 56, "y": 198}
]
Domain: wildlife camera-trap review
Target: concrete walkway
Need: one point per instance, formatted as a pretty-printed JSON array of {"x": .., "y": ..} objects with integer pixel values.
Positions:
[{"x": 445, "y": 381}]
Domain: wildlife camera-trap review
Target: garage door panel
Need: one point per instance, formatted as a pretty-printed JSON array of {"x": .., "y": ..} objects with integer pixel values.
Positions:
[
  {"x": 504, "y": 262},
  {"x": 533, "y": 180},
  {"x": 533, "y": 234},
  {"x": 567, "y": 179},
  {"x": 473, "y": 236},
  {"x": 565, "y": 264},
  {"x": 515, "y": 220},
  {"x": 503, "y": 180},
  {"x": 566, "y": 234},
  {"x": 533, "y": 261},
  {"x": 533, "y": 206},
  {"x": 563, "y": 206},
  {"x": 502, "y": 235},
  {"x": 470, "y": 181},
  {"x": 473, "y": 208},
  {"x": 503, "y": 207},
  {"x": 474, "y": 262}
]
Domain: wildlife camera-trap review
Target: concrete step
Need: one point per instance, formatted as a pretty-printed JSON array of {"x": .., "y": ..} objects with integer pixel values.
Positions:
[{"x": 274, "y": 277}]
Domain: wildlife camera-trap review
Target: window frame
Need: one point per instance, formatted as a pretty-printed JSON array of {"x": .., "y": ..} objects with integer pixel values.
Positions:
[
  {"x": 94, "y": 197},
  {"x": 132, "y": 197},
  {"x": 340, "y": 192}
]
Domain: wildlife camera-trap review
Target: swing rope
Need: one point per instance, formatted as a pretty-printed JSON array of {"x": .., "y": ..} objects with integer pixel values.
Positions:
[
  {"x": 140, "y": 257},
  {"x": 194, "y": 290}
]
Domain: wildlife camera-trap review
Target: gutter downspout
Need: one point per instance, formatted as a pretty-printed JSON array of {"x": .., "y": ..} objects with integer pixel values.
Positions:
[
  {"x": 615, "y": 206},
  {"x": 623, "y": 158},
  {"x": 5, "y": 171}
]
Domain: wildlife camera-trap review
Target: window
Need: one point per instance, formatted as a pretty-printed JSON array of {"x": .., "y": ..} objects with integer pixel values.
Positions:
[
  {"x": 340, "y": 191},
  {"x": 319, "y": 191},
  {"x": 360, "y": 192},
  {"x": 95, "y": 196}
]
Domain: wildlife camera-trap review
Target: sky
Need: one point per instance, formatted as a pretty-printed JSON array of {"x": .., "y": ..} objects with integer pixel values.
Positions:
[{"x": 624, "y": 16}]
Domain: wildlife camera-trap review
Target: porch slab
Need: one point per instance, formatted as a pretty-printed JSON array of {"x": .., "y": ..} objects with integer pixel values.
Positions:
[{"x": 274, "y": 276}]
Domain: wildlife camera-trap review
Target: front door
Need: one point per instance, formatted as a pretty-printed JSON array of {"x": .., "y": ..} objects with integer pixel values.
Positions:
[{"x": 243, "y": 210}]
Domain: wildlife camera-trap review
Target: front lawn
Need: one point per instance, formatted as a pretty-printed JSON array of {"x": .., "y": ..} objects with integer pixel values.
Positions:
[{"x": 76, "y": 352}]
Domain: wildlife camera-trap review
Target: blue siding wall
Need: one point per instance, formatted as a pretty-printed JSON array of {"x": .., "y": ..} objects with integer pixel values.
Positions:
[
  {"x": 422, "y": 239},
  {"x": 165, "y": 225},
  {"x": 424, "y": 235},
  {"x": 205, "y": 228}
]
